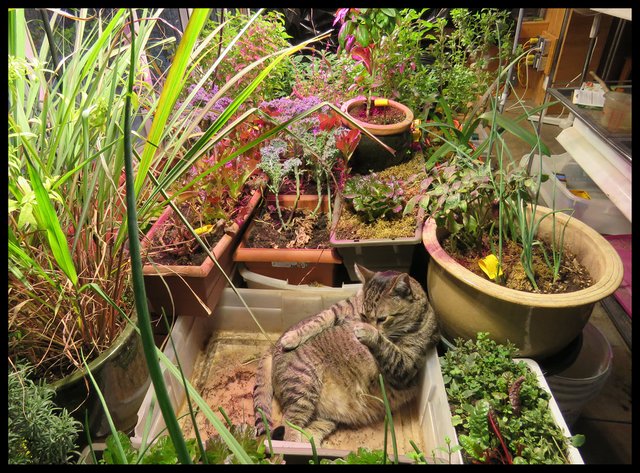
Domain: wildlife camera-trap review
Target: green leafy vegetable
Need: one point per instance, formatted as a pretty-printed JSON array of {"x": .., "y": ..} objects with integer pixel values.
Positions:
[{"x": 482, "y": 381}]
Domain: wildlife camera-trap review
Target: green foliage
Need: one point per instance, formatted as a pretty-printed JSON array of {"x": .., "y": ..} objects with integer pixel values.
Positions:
[
  {"x": 362, "y": 456},
  {"x": 373, "y": 198},
  {"x": 39, "y": 432},
  {"x": 265, "y": 36},
  {"x": 402, "y": 72},
  {"x": 479, "y": 376},
  {"x": 462, "y": 55},
  {"x": 217, "y": 450},
  {"x": 162, "y": 451},
  {"x": 327, "y": 75}
]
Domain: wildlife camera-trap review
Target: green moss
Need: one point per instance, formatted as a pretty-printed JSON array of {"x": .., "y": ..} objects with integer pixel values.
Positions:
[{"x": 351, "y": 226}]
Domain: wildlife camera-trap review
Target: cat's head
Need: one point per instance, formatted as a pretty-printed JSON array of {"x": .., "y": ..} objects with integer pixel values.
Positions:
[{"x": 393, "y": 301}]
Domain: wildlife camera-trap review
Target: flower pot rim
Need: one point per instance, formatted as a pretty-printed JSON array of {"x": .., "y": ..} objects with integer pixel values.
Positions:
[
  {"x": 376, "y": 129},
  {"x": 603, "y": 287}
]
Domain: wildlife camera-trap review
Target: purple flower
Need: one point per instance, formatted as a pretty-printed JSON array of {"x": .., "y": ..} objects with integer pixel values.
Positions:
[
  {"x": 286, "y": 108},
  {"x": 341, "y": 14}
]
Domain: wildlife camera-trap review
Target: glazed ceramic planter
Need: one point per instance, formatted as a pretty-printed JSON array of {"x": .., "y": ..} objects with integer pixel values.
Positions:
[
  {"x": 378, "y": 254},
  {"x": 181, "y": 289},
  {"x": 369, "y": 155},
  {"x": 540, "y": 325},
  {"x": 295, "y": 265},
  {"x": 122, "y": 375}
]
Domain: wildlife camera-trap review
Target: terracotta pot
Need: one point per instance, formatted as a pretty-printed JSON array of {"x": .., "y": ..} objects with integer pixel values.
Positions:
[
  {"x": 540, "y": 325},
  {"x": 181, "y": 289},
  {"x": 378, "y": 254},
  {"x": 369, "y": 155},
  {"x": 296, "y": 265},
  {"x": 122, "y": 375}
]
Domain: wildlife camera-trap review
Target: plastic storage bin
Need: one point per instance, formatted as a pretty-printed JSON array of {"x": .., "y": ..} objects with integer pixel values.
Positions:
[
  {"x": 259, "y": 281},
  {"x": 276, "y": 310},
  {"x": 598, "y": 211},
  {"x": 616, "y": 113}
]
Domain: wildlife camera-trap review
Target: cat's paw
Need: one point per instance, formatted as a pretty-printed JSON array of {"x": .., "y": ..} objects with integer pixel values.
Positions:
[
  {"x": 364, "y": 332},
  {"x": 290, "y": 340}
]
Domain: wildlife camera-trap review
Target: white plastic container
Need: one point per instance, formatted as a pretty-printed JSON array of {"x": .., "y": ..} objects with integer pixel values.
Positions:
[
  {"x": 598, "y": 212},
  {"x": 258, "y": 281},
  {"x": 574, "y": 456},
  {"x": 276, "y": 310}
]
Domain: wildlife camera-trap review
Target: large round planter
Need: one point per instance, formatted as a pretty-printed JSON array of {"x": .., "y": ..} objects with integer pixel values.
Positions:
[
  {"x": 540, "y": 325},
  {"x": 369, "y": 155},
  {"x": 123, "y": 378}
]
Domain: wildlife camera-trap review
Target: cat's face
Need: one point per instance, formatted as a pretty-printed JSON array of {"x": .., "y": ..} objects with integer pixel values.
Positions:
[{"x": 390, "y": 301}]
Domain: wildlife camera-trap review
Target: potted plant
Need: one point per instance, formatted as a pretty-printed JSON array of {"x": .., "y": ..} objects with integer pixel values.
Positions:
[
  {"x": 361, "y": 32},
  {"x": 180, "y": 278},
  {"x": 501, "y": 407},
  {"x": 69, "y": 294},
  {"x": 265, "y": 35},
  {"x": 39, "y": 432},
  {"x": 370, "y": 226},
  {"x": 288, "y": 239},
  {"x": 500, "y": 263}
]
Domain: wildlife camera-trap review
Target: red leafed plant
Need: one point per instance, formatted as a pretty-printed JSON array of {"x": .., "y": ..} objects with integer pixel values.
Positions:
[{"x": 361, "y": 31}]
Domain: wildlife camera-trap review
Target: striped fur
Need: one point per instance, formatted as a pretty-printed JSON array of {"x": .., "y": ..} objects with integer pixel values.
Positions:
[{"x": 323, "y": 371}]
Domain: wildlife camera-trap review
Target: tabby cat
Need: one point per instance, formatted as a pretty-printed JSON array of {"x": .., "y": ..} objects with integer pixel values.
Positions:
[{"x": 324, "y": 370}]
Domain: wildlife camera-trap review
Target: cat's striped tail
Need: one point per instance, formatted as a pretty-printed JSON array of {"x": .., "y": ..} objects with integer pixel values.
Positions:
[{"x": 263, "y": 392}]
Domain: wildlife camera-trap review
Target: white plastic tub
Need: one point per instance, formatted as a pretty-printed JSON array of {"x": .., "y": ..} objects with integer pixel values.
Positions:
[
  {"x": 200, "y": 340},
  {"x": 259, "y": 281},
  {"x": 574, "y": 456},
  {"x": 598, "y": 212}
]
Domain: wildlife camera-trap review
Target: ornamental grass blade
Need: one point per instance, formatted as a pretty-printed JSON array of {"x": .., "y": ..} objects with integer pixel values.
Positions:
[
  {"x": 144, "y": 323},
  {"x": 530, "y": 138},
  {"x": 171, "y": 91},
  {"x": 47, "y": 219}
]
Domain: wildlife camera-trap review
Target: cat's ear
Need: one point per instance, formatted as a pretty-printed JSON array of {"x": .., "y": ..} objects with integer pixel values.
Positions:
[
  {"x": 363, "y": 273},
  {"x": 402, "y": 285}
]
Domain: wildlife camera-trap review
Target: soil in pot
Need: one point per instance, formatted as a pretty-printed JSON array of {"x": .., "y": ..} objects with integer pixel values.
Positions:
[
  {"x": 307, "y": 230},
  {"x": 573, "y": 276},
  {"x": 377, "y": 115},
  {"x": 173, "y": 244}
]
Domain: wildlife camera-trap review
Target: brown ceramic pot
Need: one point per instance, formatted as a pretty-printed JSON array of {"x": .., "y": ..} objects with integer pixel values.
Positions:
[{"x": 540, "y": 325}]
